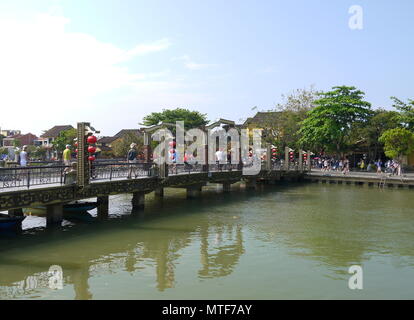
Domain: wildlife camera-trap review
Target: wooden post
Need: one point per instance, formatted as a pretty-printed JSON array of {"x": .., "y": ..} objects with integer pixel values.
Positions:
[
  {"x": 103, "y": 207},
  {"x": 54, "y": 215}
]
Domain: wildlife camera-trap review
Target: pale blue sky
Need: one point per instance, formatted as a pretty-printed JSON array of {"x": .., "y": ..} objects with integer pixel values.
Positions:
[{"x": 111, "y": 62}]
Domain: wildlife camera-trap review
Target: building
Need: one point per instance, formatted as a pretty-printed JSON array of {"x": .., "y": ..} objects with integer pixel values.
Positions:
[
  {"x": 20, "y": 140},
  {"x": 47, "y": 138},
  {"x": 105, "y": 143}
]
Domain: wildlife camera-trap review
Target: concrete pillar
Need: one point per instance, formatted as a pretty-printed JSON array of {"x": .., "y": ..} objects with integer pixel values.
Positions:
[
  {"x": 138, "y": 200},
  {"x": 103, "y": 207},
  {"x": 226, "y": 187},
  {"x": 269, "y": 158},
  {"x": 301, "y": 160},
  {"x": 15, "y": 212},
  {"x": 193, "y": 192},
  {"x": 286, "y": 164},
  {"x": 159, "y": 192},
  {"x": 251, "y": 184},
  {"x": 54, "y": 215}
]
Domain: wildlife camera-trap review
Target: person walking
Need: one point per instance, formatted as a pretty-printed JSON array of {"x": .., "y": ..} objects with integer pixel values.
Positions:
[
  {"x": 67, "y": 156},
  {"x": 23, "y": 157},
  {"x": 132, "y": 159}
]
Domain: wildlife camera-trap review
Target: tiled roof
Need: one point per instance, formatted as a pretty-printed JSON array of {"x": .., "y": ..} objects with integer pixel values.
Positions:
[{"x": 55, "y": 131}]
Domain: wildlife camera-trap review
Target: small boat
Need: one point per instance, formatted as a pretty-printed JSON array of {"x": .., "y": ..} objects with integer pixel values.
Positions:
[
  {"x": 79, "y": 216},
  {"x": 67, "y": 208},
  {"x": 8, "y": 222}
]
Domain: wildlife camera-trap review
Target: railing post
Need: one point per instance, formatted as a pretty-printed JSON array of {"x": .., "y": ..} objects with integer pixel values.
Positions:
[
  {"x": 110, "y": 174},
  {"x": 300, "y": 160},
  {"x": 61, "y": 175},
  {"x": 28, "y": 178},
  {"x": 286, "y": 164}
]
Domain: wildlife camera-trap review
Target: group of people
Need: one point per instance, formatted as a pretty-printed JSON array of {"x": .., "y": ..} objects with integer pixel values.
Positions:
[
  {"x": 343, "y": 165},
  {"x": 332, "y": 164}
]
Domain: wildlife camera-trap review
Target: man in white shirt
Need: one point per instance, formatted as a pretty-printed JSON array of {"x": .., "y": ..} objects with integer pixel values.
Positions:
[{"x": 23, "y": 157}]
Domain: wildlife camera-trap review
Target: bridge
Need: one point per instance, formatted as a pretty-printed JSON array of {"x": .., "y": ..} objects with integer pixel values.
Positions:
[{"x": 53, "y": 186}]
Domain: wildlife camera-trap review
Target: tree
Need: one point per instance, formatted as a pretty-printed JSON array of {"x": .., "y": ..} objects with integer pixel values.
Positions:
[
  {"x": 329, "y": 123},
  {"x": 121, "y": 146},
  {"x": 398, "y": 142},
  {"x": 406, "y": 112},
  {"x": 192, "y": 119},
  {"x": 65, "y": 137},
  {"x": 367, "y": 134}
]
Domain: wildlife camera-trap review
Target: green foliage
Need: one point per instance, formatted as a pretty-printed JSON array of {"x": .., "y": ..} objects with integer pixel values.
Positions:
[
  {"x": 397, "y": 142},
  {"x": 192, "y": 119},
  {"x": 406, "y": 115},
  {"x": 329, "y": 123},
  {"x": 4, "y": 151},
  {"x": 38, "y": 153},
  {"x": 64, "y": 138},
  {"x": 17, "y": 143},
  {"x": 367, "y": 134},
  {"x": 121, "y": 146}
]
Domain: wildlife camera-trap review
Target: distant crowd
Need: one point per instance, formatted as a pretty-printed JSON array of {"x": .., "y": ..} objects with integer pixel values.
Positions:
[{"x": 392, "y": 167}]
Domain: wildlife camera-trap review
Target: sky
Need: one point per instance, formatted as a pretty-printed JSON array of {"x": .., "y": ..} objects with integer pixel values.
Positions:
[{"x": 111, "y": 62}]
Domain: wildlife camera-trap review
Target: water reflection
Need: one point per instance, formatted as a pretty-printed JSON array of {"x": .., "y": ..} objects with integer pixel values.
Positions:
[{"x": 167, "y": 245}]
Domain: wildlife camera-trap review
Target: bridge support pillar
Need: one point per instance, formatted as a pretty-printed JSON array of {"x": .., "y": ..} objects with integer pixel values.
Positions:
[
  {"x": 54, "y": 215},
  {"x": 15, "y": 212},
  {"x": 138, "y": 200},
  {"x": 226, "y": 187},
  {"x": 193, "y": 192},
  {"x": 103, "y": 207},
  {"x": 159, "y": 192},
  {"x": 251, "y": 184}
]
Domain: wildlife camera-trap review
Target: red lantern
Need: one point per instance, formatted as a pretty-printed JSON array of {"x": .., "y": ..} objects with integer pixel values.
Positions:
[
  {"x": 91, "y": 158},
  {"x": 172, "y": 144},
  {"x": 76, "y": 150},
  {"x": 171, "y": 150},
  {"x": 76, "y": 144},
  {"x": 92, "y": 139},
  {"x": 91, "y": 149}
]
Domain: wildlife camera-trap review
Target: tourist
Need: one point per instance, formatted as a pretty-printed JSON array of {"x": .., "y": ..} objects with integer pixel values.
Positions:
[
  {"x": 220, "y": 158},
  {"x": 346, "y": 166},
  {"x": 132, "y": 158},
  {"x": 23, "y": 157},
  {"x": 379, "y": 166},
  {"x": 67, "y": 155}
]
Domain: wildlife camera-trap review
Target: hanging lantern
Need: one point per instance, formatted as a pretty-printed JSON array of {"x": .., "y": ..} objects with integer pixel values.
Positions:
[
  {"x": 76, "y": 151},
  {"x": 171, "y": 150},
  {"x": 92, "y": 139},
  {"x": 91, "y": 158},
  {"x": 172, "y": 144},
  {"x": 76, "y": 144},
  {"x": 91, "y": 149}
]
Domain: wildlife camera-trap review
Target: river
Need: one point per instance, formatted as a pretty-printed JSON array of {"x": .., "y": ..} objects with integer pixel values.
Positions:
[{"x": 293, "y": 241}]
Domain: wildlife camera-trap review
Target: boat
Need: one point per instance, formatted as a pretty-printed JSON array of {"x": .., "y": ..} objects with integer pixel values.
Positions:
[
  {"x": 78, "y": 216},
  {"x": 73, "y": 207},
  {"x": 8, "y": 222}
]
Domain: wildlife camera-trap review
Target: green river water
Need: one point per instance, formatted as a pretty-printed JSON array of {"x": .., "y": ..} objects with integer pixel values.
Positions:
[{"x": 294, "y": 241}]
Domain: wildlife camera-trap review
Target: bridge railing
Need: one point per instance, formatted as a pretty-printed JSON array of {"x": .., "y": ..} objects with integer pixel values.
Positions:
[
  {"x": 26, "y": 177},
  {"x": 120, "y": 171}
]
